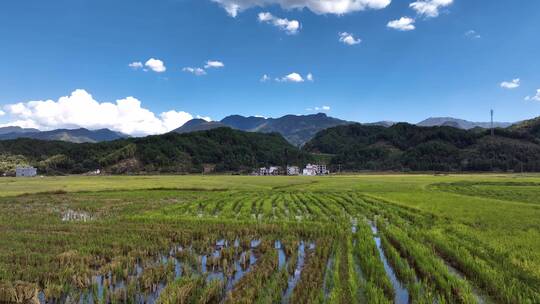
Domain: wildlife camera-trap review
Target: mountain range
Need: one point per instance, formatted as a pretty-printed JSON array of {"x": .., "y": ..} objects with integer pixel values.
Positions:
[
  {"x": 75, "y": 135},
  {"x": 350, "y": 147},
  {"x": 406, "y": 147},
  {"x": 460, "y": 123},
  {"x": 296, "y": 129},
  {"x": 216, "y": 150},
  {"x": 16, "y": 130}
]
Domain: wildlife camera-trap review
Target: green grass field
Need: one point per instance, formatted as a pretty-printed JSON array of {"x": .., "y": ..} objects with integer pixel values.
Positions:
[{"x": 239, "y": 239}]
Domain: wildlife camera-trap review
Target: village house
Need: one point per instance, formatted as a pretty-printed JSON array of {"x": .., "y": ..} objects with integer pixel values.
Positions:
[
  {"x": 263, "y": 171},
  {"x": 312, "y": 170},
  {"x": 273, "y": 171},
  {"x": 25, "y": 172},
  {"x": 293, "y": 170}
]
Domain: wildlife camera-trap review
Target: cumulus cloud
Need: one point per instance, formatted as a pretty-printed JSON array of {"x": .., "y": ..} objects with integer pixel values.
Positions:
[
  {"x": 136, "y": 65},
  {"x": 338, "y": 7},
  {"x": 155, "y": 65},
  {"x": 535, "y": 97},
  {"x": 402, "y": 24},
  {"x": 81, "y": 110},
  {"x": 472, "y": 34},
  {"x": 195, "y": 71},
  {"x": 291, "y": 27},
  {"x": 293, "y": 77},
  {"x": 214, "y": 64},
  {"x": 515, "y": 83},
  {"x": 348, "y": 39},
  {"x": 430, "y": 8}
]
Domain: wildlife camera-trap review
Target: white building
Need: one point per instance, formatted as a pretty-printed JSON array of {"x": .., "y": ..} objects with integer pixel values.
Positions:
[
  {"x": 309, "y": 171},
  {"x": 293, "y": 170},
  {"x": 25, "y": 172},
  {"x": 312, "y": 170},
  {"x": 263, "y": 171},
  {"x": 273, "y": 171}
]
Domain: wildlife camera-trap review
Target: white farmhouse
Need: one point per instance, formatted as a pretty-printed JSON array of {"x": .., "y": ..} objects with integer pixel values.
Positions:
[
  {"x": 25, "y": 172},
  {"x": 263, "y": 171},
  {"x": 312, "y": 170},
  {"x": 273, "y": 171},
  {"x": 293, "y": 170}
]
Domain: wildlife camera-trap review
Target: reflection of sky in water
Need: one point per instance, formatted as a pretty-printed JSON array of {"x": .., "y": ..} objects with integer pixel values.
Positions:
[
  {"x": 212, "y": 273},
  {"x": 402, "y": 295}
]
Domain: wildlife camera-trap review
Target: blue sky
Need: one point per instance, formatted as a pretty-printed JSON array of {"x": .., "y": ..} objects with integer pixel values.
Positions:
[{"x": 453, "y": 63}]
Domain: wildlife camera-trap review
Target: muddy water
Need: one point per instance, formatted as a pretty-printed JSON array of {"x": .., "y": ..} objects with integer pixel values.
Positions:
[
  {"x": 293, "y": 280},
  {"x": 282, "y": 258},
  {"x": 327, "y": 277},
  {"x": 76, "y": 216},
  {"x": 104, "y": 284},
  {"x": 479, "y": 296},
  {"x": 402, "y": 295}
]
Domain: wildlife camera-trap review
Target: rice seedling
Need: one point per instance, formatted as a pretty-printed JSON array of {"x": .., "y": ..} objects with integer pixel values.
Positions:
[{"x": 451, "y": 239}]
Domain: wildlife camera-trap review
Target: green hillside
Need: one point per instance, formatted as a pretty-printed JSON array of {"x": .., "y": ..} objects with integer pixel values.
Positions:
[
  {"x": 406, "y": 147},
  {"x": 218, "y": 150}
]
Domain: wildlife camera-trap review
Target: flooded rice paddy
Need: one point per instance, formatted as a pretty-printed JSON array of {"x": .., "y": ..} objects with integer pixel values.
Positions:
[{"x": 289, "y": 247}]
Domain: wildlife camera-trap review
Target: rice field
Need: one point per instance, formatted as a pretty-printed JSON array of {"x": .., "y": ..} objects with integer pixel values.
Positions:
[{"x": 235, "y": 239}]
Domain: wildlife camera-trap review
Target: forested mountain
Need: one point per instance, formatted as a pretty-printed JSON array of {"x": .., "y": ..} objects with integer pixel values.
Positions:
[
  {"x": 459, "y": 123},
  {"x": 297, "y": 129},
  {"x": 69, "y": 135},
  {"x": 409, "y": 147},
  {"x": 528, "y": 127},
  {"x": 218, "y": 150},
  {"x": 199, "y": 125},
  {"x": 239, "y": 122}
]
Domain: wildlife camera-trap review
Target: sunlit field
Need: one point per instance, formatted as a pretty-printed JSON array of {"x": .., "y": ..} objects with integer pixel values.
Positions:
[{"x": 240, "y": 239}]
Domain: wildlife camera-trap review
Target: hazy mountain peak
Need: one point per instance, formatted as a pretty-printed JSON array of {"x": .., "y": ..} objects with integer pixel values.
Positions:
[
  {"x": 459, "y": 123},
  {"x": 79, "y": 135}
]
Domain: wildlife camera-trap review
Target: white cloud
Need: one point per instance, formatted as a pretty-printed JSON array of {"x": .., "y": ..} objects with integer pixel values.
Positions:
[
  {"x": 207, "y": 118},
  {"x": 155, "y": 65},
  {"x": 265, "y": 78},
  {"x": 291, "y": 27},
  {"x": 2, "y": 113},
  {"x": 214, "y": 64},
  {"x": 515, "y": 83},
  {"x": 402, "y": 24},
  {"x": 430, "y": 8},
  {"x": 535, "y": 97},
  {"x": 472, "y": 34},
  {"x": 338, "y": 7},
  {"x": 292, "y": 77},
  {"x": 195, "y": 71},
  {"x": 81, "y": 110},
  {"x": 136, "y": 65},
  {"x": 310, "y": 77},
  {"x": 348, "y": 39},
  {"x": 319, "y": 109}
]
